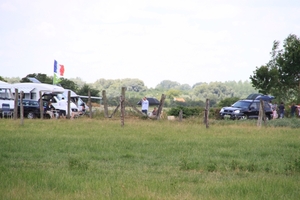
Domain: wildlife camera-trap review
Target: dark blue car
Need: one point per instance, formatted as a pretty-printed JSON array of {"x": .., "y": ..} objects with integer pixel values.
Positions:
[
  {"x": 245, "y": 109},
  {"x": 31, "y": 109}
]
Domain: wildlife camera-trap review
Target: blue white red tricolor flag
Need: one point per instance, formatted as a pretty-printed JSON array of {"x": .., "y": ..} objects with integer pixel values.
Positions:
[{"x": 59, "y": 71}]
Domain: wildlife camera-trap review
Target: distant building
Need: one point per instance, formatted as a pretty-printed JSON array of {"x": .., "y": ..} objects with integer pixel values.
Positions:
[{"x": 179, "y": 99}]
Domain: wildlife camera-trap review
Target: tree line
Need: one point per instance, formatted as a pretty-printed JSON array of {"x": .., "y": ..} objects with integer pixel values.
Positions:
[{"x": 135, "y": 89}]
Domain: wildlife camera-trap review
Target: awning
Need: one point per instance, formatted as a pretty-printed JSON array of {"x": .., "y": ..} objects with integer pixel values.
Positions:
[{"x": 25, "y": 89}]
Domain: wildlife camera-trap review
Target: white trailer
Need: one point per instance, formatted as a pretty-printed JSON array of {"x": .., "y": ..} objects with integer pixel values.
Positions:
[
  {"x": 49, "y": 92},
  {"x": 6, "y": 95}
]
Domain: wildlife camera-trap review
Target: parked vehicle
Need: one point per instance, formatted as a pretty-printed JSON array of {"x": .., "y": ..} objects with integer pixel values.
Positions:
[
  {"x": 245, "y": 109},
  {"x": 31, "y": 91},
  {"x": 31, "y": 109},
  {"x": 76, "y": 99},
  {"x": 6, "y": 96}
]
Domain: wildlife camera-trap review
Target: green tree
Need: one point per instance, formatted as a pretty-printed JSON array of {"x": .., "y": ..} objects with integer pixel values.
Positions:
[
  {"x": 68, "y": 84},
  {"x": 13, "y": 79},
  {"x": 228, "y": 101},
  {"x": 43, "y": 78},
  {"x": 197, "y": 84},
  {"x": 2, "y": 79},
  {"x": 84, "y": 91},
  {"x": 167, "y": 84},
  {"x": 78, "y": 81},
  {"x": 281, "y": 75},
  {"x": 173, "y": 93},
  {"x": 134, "y": 85}
]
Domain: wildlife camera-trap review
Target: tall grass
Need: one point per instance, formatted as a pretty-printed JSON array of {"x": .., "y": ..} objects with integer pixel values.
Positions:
[{"x": 147, "y": 159}]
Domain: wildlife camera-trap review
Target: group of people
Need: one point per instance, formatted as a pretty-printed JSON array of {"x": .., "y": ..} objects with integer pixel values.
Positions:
[
  {"x": 51, "y": 111},
  {"x": 279, "y": 110},
  {"x": 145, "y": 107}
]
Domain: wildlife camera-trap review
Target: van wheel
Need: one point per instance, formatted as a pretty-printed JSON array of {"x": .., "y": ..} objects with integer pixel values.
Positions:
[{"x": 30, "y": 115}]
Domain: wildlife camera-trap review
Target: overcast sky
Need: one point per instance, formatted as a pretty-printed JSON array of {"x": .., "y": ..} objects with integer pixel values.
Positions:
[{"x": 187, "y": 41}]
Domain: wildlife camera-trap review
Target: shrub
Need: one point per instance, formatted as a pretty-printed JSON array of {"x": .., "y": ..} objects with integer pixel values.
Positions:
[
  {"x": 194, "y": 111},
  {"x": 228, "y": 101}
]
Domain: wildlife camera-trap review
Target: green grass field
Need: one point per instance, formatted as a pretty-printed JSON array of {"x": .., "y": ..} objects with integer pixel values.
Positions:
[{"x": 147, "y": 159}]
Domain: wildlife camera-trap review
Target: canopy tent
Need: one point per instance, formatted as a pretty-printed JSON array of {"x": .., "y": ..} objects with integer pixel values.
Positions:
[
  {"x": 265, "y": 97},
  {"x": 260, "y": 96}
]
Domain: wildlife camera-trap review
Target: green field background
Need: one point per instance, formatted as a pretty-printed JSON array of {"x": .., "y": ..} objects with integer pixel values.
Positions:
[{"x": 147, "y": 159}]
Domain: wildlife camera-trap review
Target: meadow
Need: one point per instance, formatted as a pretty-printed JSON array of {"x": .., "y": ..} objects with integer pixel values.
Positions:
[{"x": 147, "y": 159}]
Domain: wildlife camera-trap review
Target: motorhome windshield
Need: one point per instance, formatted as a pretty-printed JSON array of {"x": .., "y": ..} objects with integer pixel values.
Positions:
[{"x": 5, "y": 93}]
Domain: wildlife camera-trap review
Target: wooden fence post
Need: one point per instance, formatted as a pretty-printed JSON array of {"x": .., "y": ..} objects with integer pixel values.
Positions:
[
  {"x": 41, "y": 106},
  {"x": 21, "y": 109},
  {"x": 16, "y": 104},
  {"x": 69, "y": 105},
  {"x": 180, "y": 115},
  {"x": 105, "y": 103},
  {"x": 206, "y": 113},
  {"x": 261, "y": 115},
  {"x": 161, "y": 104},
  {"x": 90, "y": 104},
  {"x": 122, "y": 103}
]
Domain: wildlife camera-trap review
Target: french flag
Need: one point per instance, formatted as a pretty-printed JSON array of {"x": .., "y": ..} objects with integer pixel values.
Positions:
[
  {"x": 61, "y": 68},
  {"x": 57, "y": 76}
]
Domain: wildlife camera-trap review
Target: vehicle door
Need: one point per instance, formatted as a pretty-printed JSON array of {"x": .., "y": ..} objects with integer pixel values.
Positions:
[{"x": 254, "y": 110}]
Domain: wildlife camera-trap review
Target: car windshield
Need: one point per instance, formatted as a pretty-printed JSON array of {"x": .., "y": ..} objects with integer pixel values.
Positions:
[{"x": 241, "y": 104}]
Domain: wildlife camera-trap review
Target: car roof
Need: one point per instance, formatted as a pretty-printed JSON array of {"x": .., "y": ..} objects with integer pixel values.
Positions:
[{"x": 249, "y": 100}]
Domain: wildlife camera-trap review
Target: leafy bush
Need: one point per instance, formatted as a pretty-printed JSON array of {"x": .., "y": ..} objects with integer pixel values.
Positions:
[
  {"x": 228, "y": 101},
  {"x": 186, "y": 111},
  {"x": 194, "y": 111}
]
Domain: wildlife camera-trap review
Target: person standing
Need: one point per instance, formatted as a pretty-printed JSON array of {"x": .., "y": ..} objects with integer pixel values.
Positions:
[
  {"x": 293, "y": 109},
  {"x": 63, "y": 104},
  {"x": 281, "y": 110},
  {"x": 145, "y": 105}
]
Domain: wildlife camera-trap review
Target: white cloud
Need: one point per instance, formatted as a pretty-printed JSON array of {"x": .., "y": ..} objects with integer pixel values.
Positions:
[{"x": 7, "y": 6}]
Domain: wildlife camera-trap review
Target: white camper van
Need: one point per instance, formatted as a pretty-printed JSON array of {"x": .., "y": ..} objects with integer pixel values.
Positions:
[
  {"x": 49, "y": 92},
  {"x": 6, "y": 96},
  {"x": 75, "y": 98}
]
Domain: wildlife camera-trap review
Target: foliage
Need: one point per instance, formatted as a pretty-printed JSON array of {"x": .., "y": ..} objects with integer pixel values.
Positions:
[
  {"x": 186, "y": 111},
  {"x": 216, "y": 91},
  {"x": 171, "y": 93},
  {"x": 167, "y": 84},
  {"x": 228, "y": 101},
  {"x": 132, "y": 85},
  {"x": 194, "y": 96},
  {"x": 13, "y": 79},
  {"x": 280, "y": 76},
  {"x": 43, "y": 78},
  {"x": 2, "y": 79},
  {"x": 68, "y": 84},
  {"x": 84, "y": 91}
]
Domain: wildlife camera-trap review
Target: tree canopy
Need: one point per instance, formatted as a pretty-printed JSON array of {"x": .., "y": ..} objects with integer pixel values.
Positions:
[
  {"x": 281, "y": 75},
  {"x": 136, "y": 89}
]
